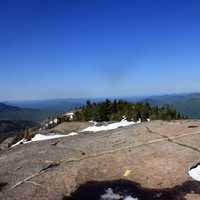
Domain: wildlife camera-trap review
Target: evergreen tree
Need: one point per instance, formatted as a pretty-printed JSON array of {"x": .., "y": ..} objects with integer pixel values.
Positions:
[{"x": 117, "y": 110}]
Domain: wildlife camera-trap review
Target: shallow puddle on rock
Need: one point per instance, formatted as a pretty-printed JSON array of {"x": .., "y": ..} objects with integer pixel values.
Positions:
[{"x": 123, "y": 188}]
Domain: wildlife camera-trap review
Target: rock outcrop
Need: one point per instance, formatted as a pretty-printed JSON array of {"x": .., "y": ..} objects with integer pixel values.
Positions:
[{"x": 155, "y": 155}]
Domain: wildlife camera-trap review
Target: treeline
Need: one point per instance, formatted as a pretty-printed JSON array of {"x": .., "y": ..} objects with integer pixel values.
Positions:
[{"x": 117, "y": 109}]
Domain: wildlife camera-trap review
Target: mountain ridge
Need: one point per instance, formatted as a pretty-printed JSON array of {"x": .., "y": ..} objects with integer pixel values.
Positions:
[
  {"x": 186, "y": 103},
  {"x": 5, "y": 107}
]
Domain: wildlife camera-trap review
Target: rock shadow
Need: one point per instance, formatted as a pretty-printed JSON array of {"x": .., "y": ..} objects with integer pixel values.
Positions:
[
  {"x": 2, "y": 185},
  {"x": 93, "y": 190}
]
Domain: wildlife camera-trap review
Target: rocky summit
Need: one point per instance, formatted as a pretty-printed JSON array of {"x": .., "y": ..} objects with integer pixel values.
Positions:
[{"x": 142, "y": 161}]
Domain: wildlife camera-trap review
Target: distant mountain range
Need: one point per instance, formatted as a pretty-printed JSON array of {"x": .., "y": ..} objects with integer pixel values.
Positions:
[
  {"x": 53, "y": 105},
  {"x": 189, "y": 104},
  {"x": 38, "y": 110},
  {"x": 12, "y": 112},
  {"x": 5, "y": 108}
]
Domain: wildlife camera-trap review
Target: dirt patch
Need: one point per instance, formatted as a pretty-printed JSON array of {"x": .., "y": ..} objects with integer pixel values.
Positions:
[{"x": 124, "y": 188}]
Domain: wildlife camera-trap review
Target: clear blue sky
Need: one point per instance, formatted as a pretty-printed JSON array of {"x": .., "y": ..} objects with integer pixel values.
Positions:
[{"x": 88, "y": 48}]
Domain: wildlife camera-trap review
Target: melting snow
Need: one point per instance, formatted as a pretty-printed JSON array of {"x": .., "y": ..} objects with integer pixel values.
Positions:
[
  {"x": 112, "y": 126},
  {"x": 95, "y": 123},
  {"x": 194, "y": 172},
  {"x": 20, "y": 142},
  {"x": 72, "y": 134},
  {"x": 40, "y": 137},
  {"x": 94, "y": 128},
  {"x": 130, "y": 198},
  {"x": 110, "y": 195},
  {"x": 55, "y": 120}
]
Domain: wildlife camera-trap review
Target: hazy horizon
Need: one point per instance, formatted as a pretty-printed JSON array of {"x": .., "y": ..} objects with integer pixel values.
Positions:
[
  {"x": 86, "y": 49},
  {"x": 101, "y": 97}
]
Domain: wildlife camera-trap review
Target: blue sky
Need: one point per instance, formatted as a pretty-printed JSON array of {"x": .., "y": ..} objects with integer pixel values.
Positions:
[{"x": 90, "y": 48}]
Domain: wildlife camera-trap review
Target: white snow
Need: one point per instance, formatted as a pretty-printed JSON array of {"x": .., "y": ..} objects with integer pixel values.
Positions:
[
  {"x": 72, "y": 134},
  {"x": 195, "y": 173},
  {"x": 70, "y": 115},
  {"x": 110, "y": 195},
  {"x": 23, "y": 141},
  {"x": 40, "y": 137},
  {"x": 95, "y": 123},
  {"x": 112, "y": 126},
  {"x": 130, "y": 198},
  {"x": 94, "y": 128},
  {"x": 55, "y": 120}
]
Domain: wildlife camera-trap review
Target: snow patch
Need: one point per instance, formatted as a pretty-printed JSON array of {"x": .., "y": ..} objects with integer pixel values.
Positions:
[
  {"x": 130, "y": 198},
  {"x": 23, "y": 141},
  {"x": 40, "y": 137},
  {"x": 94, "y": 128},
  {"x": 70, "y": 115},
  {"x": 112, "y": 126},
  {"x": 194, "y": 172},
  {"x": 110, "y": 195},
  {"x": 93, "y": 122},
  {"x": 72, "y": 134},
  {"x": 55, "y": 120}
]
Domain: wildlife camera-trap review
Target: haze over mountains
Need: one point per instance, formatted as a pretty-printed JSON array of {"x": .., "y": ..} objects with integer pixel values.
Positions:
[
  {"x": 38, "y": 110},
  {"x": 189, "y": 104},
  {"x": 5, "y": 108},
  {"x": 53, "y": 105}
]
